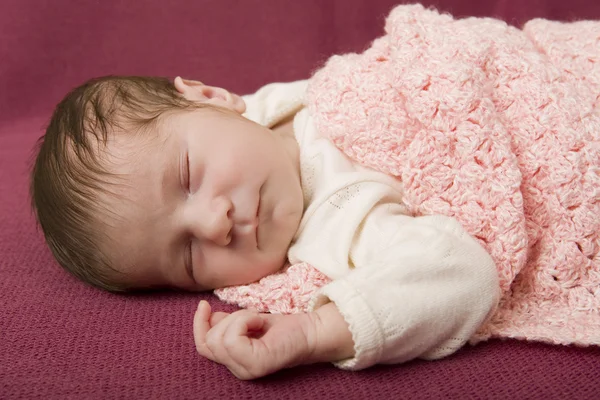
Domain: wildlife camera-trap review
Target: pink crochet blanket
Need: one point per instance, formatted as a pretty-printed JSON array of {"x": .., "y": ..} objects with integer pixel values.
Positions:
[{"x": 495, "y": 126}]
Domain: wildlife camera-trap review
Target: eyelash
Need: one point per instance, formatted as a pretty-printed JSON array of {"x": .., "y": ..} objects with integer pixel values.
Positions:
[
  {"x": 187, "y": 173},
  {"x": 189, "y": 253}
]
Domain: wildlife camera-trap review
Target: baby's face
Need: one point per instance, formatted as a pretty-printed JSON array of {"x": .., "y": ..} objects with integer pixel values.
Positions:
[{"x": 214, "y": 200}]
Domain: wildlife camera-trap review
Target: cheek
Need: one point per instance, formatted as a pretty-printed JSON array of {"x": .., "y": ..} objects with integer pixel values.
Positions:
[
  {"x": 220, "y": 174},
  {"x": 243, "y": 167},
  {"x": 247, "y": 272}
]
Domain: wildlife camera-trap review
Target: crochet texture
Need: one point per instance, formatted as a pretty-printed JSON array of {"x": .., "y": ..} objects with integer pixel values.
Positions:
[{"x": 494, "y": 126}]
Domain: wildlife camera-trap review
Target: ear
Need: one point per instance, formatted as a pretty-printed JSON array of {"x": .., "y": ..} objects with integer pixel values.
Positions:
[{"x": 197, "y": 91}]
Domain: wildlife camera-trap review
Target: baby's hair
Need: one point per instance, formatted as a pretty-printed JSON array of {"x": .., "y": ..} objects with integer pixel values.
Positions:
[{"x": 68, "y": 175}]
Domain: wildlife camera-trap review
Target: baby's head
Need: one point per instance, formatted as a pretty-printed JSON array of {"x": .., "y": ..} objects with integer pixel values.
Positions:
[{"x": 142, "y": 182}]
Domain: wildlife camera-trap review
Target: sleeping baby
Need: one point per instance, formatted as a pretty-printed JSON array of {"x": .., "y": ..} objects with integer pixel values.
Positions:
[
  {"x": 144, "y": 182},
  {"x": 184, "y": 185}
]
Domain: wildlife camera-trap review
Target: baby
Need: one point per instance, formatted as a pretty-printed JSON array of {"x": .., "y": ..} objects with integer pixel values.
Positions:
[{"x": 145, "y": 183}]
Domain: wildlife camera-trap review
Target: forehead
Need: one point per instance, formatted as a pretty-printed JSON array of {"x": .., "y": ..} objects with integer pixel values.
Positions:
[{"x": 122, "y": 143}]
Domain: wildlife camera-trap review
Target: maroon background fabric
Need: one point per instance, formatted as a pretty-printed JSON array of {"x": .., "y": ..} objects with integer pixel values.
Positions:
[{"x": 61, "y": 339}]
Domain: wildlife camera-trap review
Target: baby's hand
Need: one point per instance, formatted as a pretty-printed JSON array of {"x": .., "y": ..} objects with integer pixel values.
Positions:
[{"x": 250, "y": 344}]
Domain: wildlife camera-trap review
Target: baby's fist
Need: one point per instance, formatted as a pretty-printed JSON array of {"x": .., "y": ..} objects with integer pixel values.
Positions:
[{"x": 250, "y": 344}]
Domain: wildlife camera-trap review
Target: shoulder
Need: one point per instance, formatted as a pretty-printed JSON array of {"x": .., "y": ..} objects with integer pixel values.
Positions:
[{"x": 275, "y": 102}]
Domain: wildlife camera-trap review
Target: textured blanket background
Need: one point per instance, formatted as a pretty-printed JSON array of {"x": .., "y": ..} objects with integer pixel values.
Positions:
[
  {"x": 495, "y": 126},
  {"x": 60, "y": 339}
]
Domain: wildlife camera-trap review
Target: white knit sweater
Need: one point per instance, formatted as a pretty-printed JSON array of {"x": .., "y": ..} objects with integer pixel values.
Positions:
[{"x": 408, "y": 287}]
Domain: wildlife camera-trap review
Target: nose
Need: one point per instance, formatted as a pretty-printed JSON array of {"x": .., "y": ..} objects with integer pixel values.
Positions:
[{"x": 215, "y": 221}]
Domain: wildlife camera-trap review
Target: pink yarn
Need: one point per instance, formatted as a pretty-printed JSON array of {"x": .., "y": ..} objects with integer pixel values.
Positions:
[
  {"x": 495, "y": 126},
  {"x": 285, "y": 292}
]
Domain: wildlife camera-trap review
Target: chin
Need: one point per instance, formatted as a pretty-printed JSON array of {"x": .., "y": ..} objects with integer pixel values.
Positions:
[{"x": 275, "y": 265}]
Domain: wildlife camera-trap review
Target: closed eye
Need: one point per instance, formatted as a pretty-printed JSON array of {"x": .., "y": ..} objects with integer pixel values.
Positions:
[
  {"x": 184, "y": 172},
  {"x": 187, "y": 172},
  {"x": 189, "y": 262}
]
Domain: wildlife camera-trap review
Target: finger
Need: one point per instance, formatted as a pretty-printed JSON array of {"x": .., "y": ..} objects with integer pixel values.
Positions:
[
  {"x": 217, "y": 317},
  {"x": 215, "y": 337},
  {"x": 201, "y": 329},
  {"x": 241, "y": 347}
]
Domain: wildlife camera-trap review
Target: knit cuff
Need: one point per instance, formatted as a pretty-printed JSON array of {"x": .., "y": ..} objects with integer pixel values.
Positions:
[{"x": 366, "y": 333}]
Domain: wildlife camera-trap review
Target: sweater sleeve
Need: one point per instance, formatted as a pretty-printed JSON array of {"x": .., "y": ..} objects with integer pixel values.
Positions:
[{"x": 418, "y": 288}]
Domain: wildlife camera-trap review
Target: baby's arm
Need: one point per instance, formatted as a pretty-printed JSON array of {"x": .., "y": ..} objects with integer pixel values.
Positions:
[
  {"x": 420, "y": 288},
  {"x": 252, "y": 345}
]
